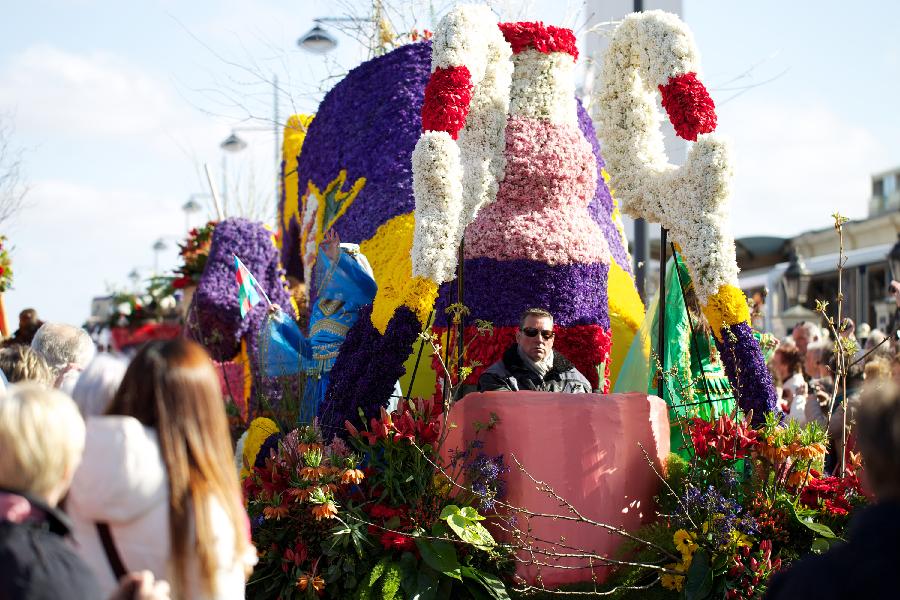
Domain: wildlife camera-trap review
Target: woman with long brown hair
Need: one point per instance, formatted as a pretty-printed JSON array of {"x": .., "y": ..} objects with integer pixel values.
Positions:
[{"x": 157, "y": 488}]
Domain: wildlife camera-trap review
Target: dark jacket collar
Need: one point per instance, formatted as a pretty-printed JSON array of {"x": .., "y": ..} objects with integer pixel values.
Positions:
[
  {"x": 57, "y": 521},
  {"x": 561, "y": 364}
]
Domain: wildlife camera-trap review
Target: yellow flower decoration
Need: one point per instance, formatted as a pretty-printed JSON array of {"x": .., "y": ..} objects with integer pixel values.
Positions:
[
  {"x": 670, "y": 581},
  {"x": 260, "y": 429},
  {"x": 294, "y": 135},
  {"x": 686, "y": 544},
  {"x": 728, "y": 306}
]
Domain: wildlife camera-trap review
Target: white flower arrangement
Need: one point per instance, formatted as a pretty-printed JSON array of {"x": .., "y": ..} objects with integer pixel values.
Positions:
[
  {"x": 437, "y": 187},
  {"x": 466, "y": 37},
  {"x": 646, "y": 50},
  {"x": 540, "y": 90}
]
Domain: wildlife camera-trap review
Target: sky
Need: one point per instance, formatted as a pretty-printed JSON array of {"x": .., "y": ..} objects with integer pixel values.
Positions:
[{"x": 117, "y": 106}]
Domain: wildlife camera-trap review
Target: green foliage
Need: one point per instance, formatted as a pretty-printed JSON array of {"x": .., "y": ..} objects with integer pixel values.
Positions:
[{"x": 465, "y": 523}]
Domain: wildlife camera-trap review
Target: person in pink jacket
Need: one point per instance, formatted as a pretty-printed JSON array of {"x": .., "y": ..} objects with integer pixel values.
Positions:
[{"x": 157, "y": 488}]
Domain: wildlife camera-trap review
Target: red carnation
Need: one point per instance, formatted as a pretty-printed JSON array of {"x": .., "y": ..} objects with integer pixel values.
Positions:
[
  {"x": 524, "y": 35},
  {"x": 447, "y": 98},
  {"x": 690, "y": 108}
]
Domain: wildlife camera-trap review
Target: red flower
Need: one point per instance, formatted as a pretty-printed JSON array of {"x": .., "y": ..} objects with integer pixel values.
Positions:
[
  {"x": 524, "y": 35},
  {"x": 690, "y": 108},
  {"x": 396, "y": 541},
  {"x": 447, "y": 97}
]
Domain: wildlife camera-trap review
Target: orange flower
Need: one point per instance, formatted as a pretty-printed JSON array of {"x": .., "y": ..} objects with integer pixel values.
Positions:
[
  {"x": 313, "y": 473},
  {"x": 299, "y": 494},
  {"x": 304, "y": 581},
  {"x": 352, "y": 476},
  {"x": 327, "y": 510},
  {"x": 276, "y": 512}
]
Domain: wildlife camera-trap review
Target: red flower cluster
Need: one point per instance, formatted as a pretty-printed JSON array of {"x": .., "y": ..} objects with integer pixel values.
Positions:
[
  {"x": 420, "y": 424},
  {"x": 447, "y": 97},
  {"x": 397, "y": 541},
  {"x": 748, "y": 572},
  {"x": 524, "y": 35},
  {"x": 391, "y": 540},
  {"x": 830, "y": 493},
  {"x": 690, "y": 108},
  {"x": 731, "y": 439}
]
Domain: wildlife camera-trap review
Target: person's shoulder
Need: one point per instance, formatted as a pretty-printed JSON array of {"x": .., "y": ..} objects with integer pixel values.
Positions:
[
  {"x": 813, "y": 577},
  {"x": 37, "y": 563}
]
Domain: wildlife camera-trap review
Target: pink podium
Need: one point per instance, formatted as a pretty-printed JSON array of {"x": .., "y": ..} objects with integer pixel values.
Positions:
[{"x": 587, "y": 447}]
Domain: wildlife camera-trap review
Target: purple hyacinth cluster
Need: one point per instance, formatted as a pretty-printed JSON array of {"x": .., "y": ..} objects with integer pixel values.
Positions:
[
  {"x": 601, "y": 205},
  {"x": 215, "y": 312},
  {"x": 724, "y": 515},
  {"x": 368, "y": 125},
  {"x": 574, "y": 294},
  {"x": 746, "y": 369},
  {"x": 483, "y": 473},
  {"x": 364, "y": 373}
]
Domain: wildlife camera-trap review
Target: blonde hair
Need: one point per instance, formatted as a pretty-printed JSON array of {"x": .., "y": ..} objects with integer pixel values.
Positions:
[
  {"x": 173, "y": 387},
  {"x": 42, "y": 437},
  {"x": 21, "y": 363}
]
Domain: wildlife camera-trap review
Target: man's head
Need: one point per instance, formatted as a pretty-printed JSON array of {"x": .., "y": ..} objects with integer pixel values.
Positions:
[
  {"x": 28, "y": 318},
  {"x": 813, "y": 364},
  {"x": 804, "y": 334},
  {"x": 42, "y": 436},
  {"x": 535, "y": 335},
  {"x": 878, "y": 436},
  {"x": 786, "y": 361},
  {"x": 63, "y": 345}
]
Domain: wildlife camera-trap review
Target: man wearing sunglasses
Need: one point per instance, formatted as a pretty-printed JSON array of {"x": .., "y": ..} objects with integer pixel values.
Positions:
[{"x": 531, "y": 364}]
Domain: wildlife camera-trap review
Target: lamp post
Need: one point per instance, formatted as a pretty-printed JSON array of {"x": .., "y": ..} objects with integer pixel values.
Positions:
[
  {"x": 189, "y": 207},
  {"x": 796, "y": 280},
  {"x": 893, "y": 259},
  {"x": 234, "y": 144},
  {"x": 158, "y": 246},
  {"x": 319, "y": 41}
]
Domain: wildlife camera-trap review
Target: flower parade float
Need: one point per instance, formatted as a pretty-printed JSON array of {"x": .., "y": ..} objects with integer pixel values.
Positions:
[{"x": 436, "y": 158}]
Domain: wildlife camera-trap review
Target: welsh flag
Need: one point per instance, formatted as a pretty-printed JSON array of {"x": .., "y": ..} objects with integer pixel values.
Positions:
[{"x": 248, "y": 287}]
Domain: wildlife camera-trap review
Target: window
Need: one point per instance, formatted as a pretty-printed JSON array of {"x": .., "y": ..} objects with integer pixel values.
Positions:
[
  {"x": 890, "y": 185},
  {"x": 878, "y": 187}
]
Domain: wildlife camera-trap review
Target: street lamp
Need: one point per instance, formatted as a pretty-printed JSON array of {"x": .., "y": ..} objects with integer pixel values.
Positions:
[
  {"x": 893, "y": 259},
  {"x": 796, "y": 280},
  {"x": 233, "y": 143},
  {"x": 189, "y": 207},
  {"x": 158, "y": 246},
  {"x": 317, "y": 40}
]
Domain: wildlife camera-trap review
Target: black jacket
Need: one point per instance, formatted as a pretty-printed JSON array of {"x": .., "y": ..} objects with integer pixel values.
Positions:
[
  {"x": 36, "y": 563},
  {"x": 510, "y": 374},
  {"x": 867, "y": 566}
]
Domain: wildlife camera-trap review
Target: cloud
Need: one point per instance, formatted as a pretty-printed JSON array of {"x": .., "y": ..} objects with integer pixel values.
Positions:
[
  {"x": 95, "y": 94},
  {"x": 76, "y": 240},
  {"x": 795, "y": 165}
]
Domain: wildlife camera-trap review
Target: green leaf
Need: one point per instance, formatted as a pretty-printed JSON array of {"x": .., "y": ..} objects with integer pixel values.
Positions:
[
  {"x": 490, "y": 582},
  {"x": 440, "y": 556},
  {"x": 471, "y": 532},
  {"x": 449, "y": 511},
  {"x": 698, "y": 581},
  {"x": 390, "y": 583},
  {"x": 823, "y": 530},
  {"x": 820, "y": 546},
  {"x": 409, "y": 573},
  {"x": 471, "y": 514},
  {"x": 364, "y": 591}
]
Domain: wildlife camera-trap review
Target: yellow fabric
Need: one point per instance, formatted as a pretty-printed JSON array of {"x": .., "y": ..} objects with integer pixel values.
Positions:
[
  {"x": 335, "y": 189},
  {"x": 294, "y": 135},
  {"x": 728, "y": 306},
  {"x": 260, "y": 429},
  {"x": 388, "y": 252},
  {"x": 626, "y": 313}
]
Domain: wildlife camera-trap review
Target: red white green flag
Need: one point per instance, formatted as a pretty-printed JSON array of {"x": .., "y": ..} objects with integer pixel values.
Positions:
[{"x": 248, "y": 287}]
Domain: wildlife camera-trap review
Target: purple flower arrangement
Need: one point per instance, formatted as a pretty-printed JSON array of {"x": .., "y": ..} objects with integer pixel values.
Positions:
[
  {"x": 601, "y": 206},
  {"x": 751, "y": 382},
  {"x": 366, "y": 370},
  {"x": 575, "y": 294},
  {"x": 367, "y": 124}
]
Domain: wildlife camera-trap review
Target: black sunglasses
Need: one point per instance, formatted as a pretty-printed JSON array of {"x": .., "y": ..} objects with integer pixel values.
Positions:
[{"x": 533, "y": 331}]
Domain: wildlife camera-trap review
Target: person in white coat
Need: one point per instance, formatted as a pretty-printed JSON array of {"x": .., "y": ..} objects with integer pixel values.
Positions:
[{"x": 157, "y": 477}]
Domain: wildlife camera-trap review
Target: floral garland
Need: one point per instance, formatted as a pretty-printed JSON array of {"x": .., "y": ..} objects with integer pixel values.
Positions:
[
  {"x": 6, "y": 272},
  {"x": 466, "y": 98},
  {"x": 691, "y": 201},
  {"x": 194, "y": 253}
]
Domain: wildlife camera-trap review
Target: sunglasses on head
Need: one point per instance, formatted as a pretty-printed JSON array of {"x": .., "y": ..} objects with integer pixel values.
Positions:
[{"x": 533, "y": 331}]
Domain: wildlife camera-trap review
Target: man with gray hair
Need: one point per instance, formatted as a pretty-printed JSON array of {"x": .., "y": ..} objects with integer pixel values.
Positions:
[
  {"x": 805, "y": 333},
  {"x": 67, "y": 351}
]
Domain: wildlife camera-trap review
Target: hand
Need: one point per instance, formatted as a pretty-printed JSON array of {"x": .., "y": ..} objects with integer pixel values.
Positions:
[
  {"x": 141, "y": 586},
  {"x": 331, "y": 245}
]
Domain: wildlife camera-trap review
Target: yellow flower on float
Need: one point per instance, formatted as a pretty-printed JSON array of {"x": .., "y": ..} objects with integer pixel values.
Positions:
[
  {"x": 388, "y": 251},
  {"x": 728, "y": 306},
  {"x": 685, "y": 543},
  {"x": 259, "y": 431},
  {"x": 294, "y": 136}
]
